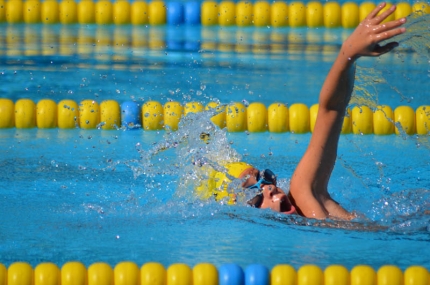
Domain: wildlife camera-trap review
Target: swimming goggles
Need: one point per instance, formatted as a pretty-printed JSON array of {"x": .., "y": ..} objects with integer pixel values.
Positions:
[{"x": 266, "y": 177}]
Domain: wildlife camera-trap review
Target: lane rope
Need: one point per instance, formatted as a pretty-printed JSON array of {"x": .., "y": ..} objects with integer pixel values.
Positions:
[
  {"x": 225, "y": 13},
  {"x": 128, "y": 273},
  {"x": 235, "y": 117}
]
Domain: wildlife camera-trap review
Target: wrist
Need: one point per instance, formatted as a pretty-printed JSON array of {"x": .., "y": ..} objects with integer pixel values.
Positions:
[{"x": 346, "y": 55}]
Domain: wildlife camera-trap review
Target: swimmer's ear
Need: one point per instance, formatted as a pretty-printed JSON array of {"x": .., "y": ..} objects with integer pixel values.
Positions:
[{"x": 205, "y": 137}]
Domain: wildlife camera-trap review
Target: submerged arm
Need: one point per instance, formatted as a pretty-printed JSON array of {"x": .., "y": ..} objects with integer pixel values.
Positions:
[{"x": 308, "y": 188}]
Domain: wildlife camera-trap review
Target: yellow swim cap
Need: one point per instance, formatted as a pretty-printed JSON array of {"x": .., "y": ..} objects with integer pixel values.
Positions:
[
  {"x": 235, "y": 169},
  {"x": 217, "y": 182}
]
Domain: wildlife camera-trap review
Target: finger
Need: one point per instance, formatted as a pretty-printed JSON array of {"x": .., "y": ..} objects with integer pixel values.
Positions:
[
  {"x": 375, "y": 11},
  {"x": 384, "y": 15},
  {"x": 393, "y": 24},
  {"x": 389, "y": 34},
  {"x": 382, "y": 28}
]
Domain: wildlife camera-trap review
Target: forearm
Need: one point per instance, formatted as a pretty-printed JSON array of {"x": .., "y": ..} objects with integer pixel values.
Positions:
[
  {"x": 334, "y": 98},
  {"x": 337, "y": 89}
]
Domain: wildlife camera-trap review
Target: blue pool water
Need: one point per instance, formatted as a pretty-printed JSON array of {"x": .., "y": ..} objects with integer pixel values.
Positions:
[{"x": 93, "y": 195}]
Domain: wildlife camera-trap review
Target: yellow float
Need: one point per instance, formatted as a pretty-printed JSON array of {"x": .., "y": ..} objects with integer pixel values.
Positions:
[
  {"x": 219, "y": 119},
  {"x": 403, "y": 9},
  {"x": 126, "y": 273},
  {"x": 139, "y": 13},
  {"x": 14, "y": 11},
  {"x": 227, "y": 13},
  {"x": 121, "y": 12},
  {"x": 152, "y": 273},
  {"x": 179, "y": 271},
  {"x": 157, "y": 13},
  {"x": 110, "y": 115},
  {"x": 299, "y": 118},
  {"x": 423, "y": 120},
  {"x": 68, "y": 114},
  {"x": 25, "y": 114},
  {"x": 103, "y": 12},
  {"x": 421, "y": 7},
  {"x": 68, "y": 12},
  {"x": 244, "y": 13},
  {"x": 279, "y": 14},
  {"x": 256, "y": 117},
  {"x": 173, "y": 112},
  {"x": 47, "y": 273},
  {"x": 283, "y": 274},
  {"x": 297, "y": 14},
  {"x": 362, "y": 120},
  {"x": 31, "y": 12},
  {"x": 332, "y": 15},
  {"x": 336, "y": 274},
  {"x": 100, "y": 273},
  {"x": 152, "y": 116},
  {"x": 404, "y": 120},
  {"x": 310, "y": 274},
  {"x": 236, "y": 117},
  {"x": 389, "y": 275},
  {"x": 350, "y": 15},
  {"x": 364, "y": 9},
  {"x": 209, "y": 13},
  {"x": 86, "y": 12},
  {"x": 261, "y": 14},
  {"x": 193, "y": 107},
  {"x": 278, "y": 118},
  {"x": 20, "y": 273},
  {"x": 383, "y": 123},
  {"x": 2, "y": 11},
  {"x": 73, "y": 273},
  {"x": 313, "y": 113},
  {"x": 7, "y": 113},
  {"x": 347, "y": 122},
  {"x": 46, "y": 114},
  {"x": 205, "y": 274},
  {"x": 314, "y": 14},
  {"x": 49, "y": 13}
]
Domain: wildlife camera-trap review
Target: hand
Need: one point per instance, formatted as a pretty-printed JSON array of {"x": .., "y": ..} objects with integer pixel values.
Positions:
[{"x": 365, "y": 39}]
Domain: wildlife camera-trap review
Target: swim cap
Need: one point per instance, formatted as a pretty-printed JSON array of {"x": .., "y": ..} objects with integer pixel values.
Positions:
[
  {"x": 235, "y": 169},
  {"x": 217, "y": 182}
]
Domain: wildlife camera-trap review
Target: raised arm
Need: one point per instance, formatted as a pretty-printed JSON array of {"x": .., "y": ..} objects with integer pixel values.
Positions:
[{"x": 308, "y": 190}]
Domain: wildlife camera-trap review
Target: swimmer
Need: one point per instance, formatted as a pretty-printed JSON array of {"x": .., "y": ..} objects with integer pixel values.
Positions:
[{"x": 308, "y": 194}]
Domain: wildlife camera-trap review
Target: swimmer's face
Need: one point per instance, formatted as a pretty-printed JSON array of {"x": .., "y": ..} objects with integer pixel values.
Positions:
[
  {"x": 271, "y": 197},
  {"x": 276, "y": 199}
]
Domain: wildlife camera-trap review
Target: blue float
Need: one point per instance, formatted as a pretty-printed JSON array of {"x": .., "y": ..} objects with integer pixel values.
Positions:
[
  {"x": 230, "y": 274},
  {"x": 175, "y": 13},
  {"x": 130, "y": 115},
  {"x": 192, "y": 13},
  {"x": 257, "y": 274}
]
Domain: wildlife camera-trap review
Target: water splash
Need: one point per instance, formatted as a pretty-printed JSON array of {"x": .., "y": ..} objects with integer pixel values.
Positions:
[
  {"x": 188, "y": 154},
  {"x": 417, "y": 37},
  {"x": 405, "y": 211},
  {"x": 415, "y": 42},
  {"x": 365, "y": 88}
]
